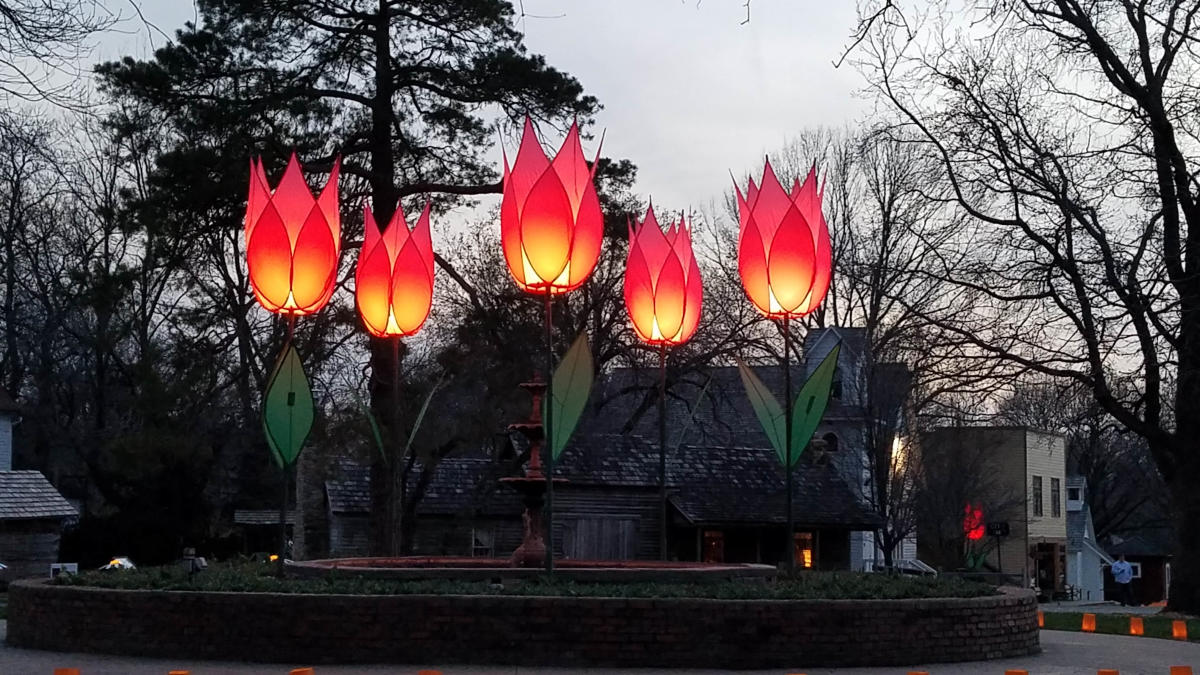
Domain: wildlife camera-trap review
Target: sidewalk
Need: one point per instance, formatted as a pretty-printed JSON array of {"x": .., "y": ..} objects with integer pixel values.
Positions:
[{"x": 1108, "y": 607}]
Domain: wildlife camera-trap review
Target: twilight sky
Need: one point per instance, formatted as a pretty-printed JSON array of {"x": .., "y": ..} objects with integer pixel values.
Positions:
[{"x": 689, "y": 93}]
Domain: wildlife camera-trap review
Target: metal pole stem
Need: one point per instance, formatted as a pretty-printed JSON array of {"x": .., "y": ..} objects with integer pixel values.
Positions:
[
  {"x": 283, "y": 500},
  {"x": 662, "y": 451},
  {"x": 789, "y": 549},
  {"x": 396, "y": 466},
  {"x": 548, "y": 444}
]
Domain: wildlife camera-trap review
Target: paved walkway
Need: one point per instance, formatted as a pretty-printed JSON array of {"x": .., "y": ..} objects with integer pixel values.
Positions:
[
  {"x": 1098, "y": 607},
  {"x": 1063, "y": 654}
]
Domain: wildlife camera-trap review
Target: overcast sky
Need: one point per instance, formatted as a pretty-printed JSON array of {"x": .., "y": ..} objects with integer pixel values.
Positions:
[{"x": 689, "y": 92}]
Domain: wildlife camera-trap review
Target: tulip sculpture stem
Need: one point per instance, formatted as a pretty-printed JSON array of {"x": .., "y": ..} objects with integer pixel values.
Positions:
[
  {"x": 396, "y": 467},
  {"x": 547, "y": 443},
  {"x": 787, "y": 443},
  {"x": 662, "y": 450},
  {"x": 287, "y": 470}
]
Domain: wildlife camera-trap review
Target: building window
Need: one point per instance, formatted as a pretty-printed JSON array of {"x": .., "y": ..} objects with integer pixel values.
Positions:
[
  {"x": 802, "y": 549},
  {"x": 1037, "y": 496},
  {"x": 831, "y": 442},
  {"x": 482, "y": 543},
  {"x": 1055, "y": 498},
  {"x": 1137, "y": 569},
  {"x": 1073, "y": 494},
  {"x": 714, "y": 546}
]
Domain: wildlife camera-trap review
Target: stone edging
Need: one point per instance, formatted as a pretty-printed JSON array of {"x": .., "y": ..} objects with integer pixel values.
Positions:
[{"x": 517, "y": 630}]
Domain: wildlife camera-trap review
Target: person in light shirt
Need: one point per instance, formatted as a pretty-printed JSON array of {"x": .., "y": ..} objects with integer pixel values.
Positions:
[{"x": 1122, "y": 573}]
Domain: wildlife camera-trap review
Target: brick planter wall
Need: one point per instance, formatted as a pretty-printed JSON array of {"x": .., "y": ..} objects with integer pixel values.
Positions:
[{"x": 521, "y": 630}]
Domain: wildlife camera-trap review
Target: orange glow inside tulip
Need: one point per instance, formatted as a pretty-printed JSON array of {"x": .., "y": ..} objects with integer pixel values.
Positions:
[
  {"x": 551, "y": 226},
  {"x": 784, "y": 253},
  {"x": 293, "y": 241},
  {"x": 663, "y": 290},
  {"x": 393, "y": 284}
]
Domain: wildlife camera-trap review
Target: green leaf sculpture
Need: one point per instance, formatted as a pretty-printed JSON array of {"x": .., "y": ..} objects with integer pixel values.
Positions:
[
  {"x": 570, "y": 388},
  {"x": 766, "y": 408},
  {"x": 811, "y": 403},
  {"x": 287, "y": 408},
  {"x": 807, "y": 411}
]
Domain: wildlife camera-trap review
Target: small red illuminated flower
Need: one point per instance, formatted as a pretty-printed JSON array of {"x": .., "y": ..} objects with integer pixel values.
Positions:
[
  {"x": 550, "y": 220},
  {"x": 292, "y": 240},
  {"x": 973, "y": 526},
  {"x": 393, "y": 283},
  {"x": 662, "y": 283},
  {"x": 784, "y": 254}
]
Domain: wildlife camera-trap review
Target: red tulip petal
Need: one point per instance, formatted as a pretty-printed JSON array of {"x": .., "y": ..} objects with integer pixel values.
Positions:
[
  {"x": 528, "y": 168},
  {"x": 772, "y": 203},
  {"x": 293, "y": 199},
  {"x": 314, "y": 263},
  {"x": 824, "y": 268},
  {"x": 372, "y": 287},
  {"x": 546, "y": 230},
  {"x": 412, "y": 290},
  {"x": 328, "y": 203},
  {"x": 791, "y": 263},
  {"x": 423, "y": 237},
  {"x": 260, "y": 196},
  {"x": 572, "y": 168},
  {"x": 653, "y": 243},
  {"x": 510, "y": 236},
  {"x": 371, "y": 235},
  {"x": 752, "y": 267},
  {"x": 639, "y": 292},
  {"x": 587, "y": 240},
  {"x": 694, "y": 298},
  {"x": 269, "y": 259},
  {"x": 669, "y": 299}
]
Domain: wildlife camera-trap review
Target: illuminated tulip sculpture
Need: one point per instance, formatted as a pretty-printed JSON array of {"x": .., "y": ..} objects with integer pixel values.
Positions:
[
  {"x": 393, "y": 287},
  {"x": 785, "y": 262},
  {"x": 550, "y": 229},
  {"x": 393, "y": 284},
  {"x": 293, "y": 241},
  {"x": 662, "y": 295}
]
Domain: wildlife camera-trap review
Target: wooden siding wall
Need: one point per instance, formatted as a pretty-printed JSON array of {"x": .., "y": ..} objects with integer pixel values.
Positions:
[
  {"x": 1047, "y": 457},
  {"x": 588, "y": 522},
  {"x": 348, "y": 535},
  {"x": 28, "y": 552}
]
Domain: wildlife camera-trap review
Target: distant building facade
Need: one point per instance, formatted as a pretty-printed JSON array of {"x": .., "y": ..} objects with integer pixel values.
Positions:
[
  {"x": 32, "y": 512},
  {"x": 1016, "y": 475},
  {"x": 1086, "y": 559},
  {"x": 726, "y": 486}
]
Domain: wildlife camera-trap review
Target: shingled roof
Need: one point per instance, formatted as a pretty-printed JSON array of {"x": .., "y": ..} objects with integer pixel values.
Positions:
[
  {"x": 709, "y": 484},
  {"x": 712, "y": 484},
  {"x": 27, "y": 495}
]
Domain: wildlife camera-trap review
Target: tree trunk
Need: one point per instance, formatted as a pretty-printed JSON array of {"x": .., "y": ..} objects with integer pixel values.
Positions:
[
  {"x": 1185, "y": 565},
  {"x": 385, "y": 513}
]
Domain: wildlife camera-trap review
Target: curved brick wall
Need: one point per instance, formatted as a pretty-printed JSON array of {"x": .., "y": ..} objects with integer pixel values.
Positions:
[{"x": 492, "y": 629}]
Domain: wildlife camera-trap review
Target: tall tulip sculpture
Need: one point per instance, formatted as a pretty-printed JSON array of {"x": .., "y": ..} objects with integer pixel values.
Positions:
[
  {"x": 550, "y": 229},
  {"x": 393, "y": 287},
  {"x": 785, "y": 262},
  {"x": 663, "y": 293},
  {"x": 293, "y": 241}
]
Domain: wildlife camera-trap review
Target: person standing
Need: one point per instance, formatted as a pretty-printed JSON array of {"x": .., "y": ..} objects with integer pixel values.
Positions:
[{"x": 1122, "y": 573}]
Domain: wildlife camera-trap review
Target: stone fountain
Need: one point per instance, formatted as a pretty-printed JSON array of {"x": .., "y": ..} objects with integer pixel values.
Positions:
[{"x": 532, "y": 485}]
